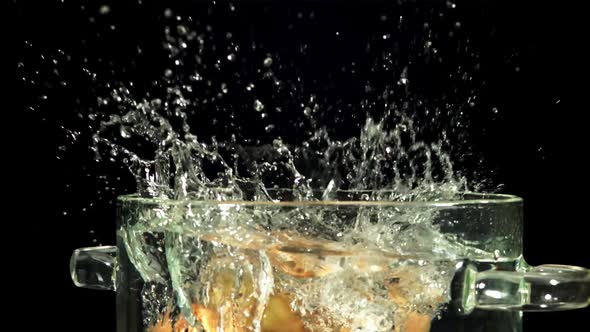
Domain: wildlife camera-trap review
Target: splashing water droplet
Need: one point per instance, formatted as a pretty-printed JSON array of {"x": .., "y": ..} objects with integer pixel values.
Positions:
[
  {"x": 124, "y": 133},
  {"x": 104, "y": 9},
  {"x": 258, "y": 106},
  {"x": 267, "y": 62},
  {"x": 181, "y": 30}
]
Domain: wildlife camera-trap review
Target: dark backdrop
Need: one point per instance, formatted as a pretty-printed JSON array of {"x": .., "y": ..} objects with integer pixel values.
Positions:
[{"x": 537, "y": 143}]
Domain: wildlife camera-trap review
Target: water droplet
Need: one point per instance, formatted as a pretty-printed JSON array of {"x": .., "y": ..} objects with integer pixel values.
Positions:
[
  {"x": 168, "y": 13},
  {"x": 307, "y": 111},
  {"x": 181, "y": 30},
  {"x": 267, "y": 62},
  {"x": 156, "y": 102},
  {"x": 196, "y": 77},
  {"x": 124, "y": 133},
  {"x": 104, "y": 9},
  {"x": 258, "y": 106}
]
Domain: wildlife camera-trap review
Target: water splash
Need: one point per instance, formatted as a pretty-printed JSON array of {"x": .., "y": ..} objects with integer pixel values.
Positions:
[
  {"x": 229, "y": 117},
  {"x": 193, "y": 142}
]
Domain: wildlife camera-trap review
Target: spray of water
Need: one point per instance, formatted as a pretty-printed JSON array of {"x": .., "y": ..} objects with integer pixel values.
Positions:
[{"x": 231, "y": 118}]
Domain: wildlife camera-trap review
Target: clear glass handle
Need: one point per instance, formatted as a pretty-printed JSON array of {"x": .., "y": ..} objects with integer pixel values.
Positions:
[
  {"x": 94, "y": 267},
  {"x": 541, "y": 288}
]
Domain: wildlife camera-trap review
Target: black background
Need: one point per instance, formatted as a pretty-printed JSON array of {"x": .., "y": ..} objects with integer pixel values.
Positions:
[{"x": 538, "y": 145}]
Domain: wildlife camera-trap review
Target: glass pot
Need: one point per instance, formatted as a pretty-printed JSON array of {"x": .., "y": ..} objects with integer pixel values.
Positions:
[{"x": 351, "y": 263}]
